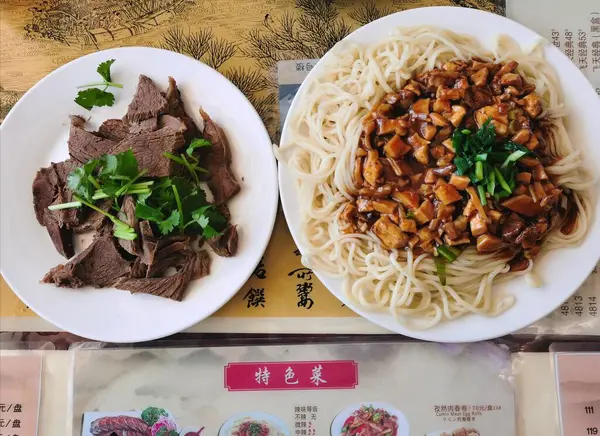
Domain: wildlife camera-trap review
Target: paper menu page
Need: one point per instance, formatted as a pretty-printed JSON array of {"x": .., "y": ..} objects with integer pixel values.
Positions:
[
  {"x": 578, "y": 381},
  {"x": 20, "y": 384},
  {"x": 301, "y": 390},
  {"x": 572, "y": 26}
]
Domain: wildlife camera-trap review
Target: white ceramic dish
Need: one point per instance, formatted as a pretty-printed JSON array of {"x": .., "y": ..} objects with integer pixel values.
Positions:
[
  {"x": 276, "y": 423},
  {"x": 35, "y": 133},
  {"x": 338, "y": 422},
  {"x": 562, "y": 271}
]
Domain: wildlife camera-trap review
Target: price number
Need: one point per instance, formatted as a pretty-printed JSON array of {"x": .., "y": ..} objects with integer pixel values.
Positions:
[{"x": 592, "y": 430}]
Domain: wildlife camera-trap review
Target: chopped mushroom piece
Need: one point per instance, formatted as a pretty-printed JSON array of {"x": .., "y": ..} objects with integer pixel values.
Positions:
[
  {"x": 364, "y": 205},
  {"x": 409, "y": 199},
  {"x": 533, "y": 143},
  {"x": 479, "y": 78},
  {"x": 421, "y": 154},
  {"x": 447, "y": 193},
  {"x": 372, "y": 168},
  {"x": 522, "y": 204},
  {"x": 428, "y": 131},
  {"x": 416, "y": 141},
  {"x": 521, "y": 137},
  {"x": 396, "y": 147},
  {"x": 389, "y": 233},
  {"x": 487, "y": 243},
  {"x": 511, "y": 79},
  {"x": 462, "y": 239},
  {"x": 438, "y": 120},
  {"x": 458, "y": 113},
  {"x": 385, "y": 206},
  {"x": 539, "y": 173},
  {"x": 478, "y": 226},
  {"x": 442, "y": 106},
  {"x": 408, "y": 226},
  {"x": 460, "y": 182},
  {"x": 532, "y": 104},
  {"x": 425, "y": 212},
  {"x": 421, "y": 108}
]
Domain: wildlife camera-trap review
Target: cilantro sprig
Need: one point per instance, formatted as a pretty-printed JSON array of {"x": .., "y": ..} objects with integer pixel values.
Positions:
[
  {"x": 191, "y": 162},
  {"x": 177, "y": 205},
  {"x": 489, "y": 164},
  {"x": 91, "y": 97}
]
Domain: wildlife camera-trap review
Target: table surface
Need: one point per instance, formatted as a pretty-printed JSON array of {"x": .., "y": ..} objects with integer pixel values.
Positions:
[{"x": 244, "y": 40}]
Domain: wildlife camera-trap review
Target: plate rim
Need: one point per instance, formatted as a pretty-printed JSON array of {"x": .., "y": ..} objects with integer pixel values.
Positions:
[
  {"x": 282, "y": 174},
  {"x": 271, "y": 173}
]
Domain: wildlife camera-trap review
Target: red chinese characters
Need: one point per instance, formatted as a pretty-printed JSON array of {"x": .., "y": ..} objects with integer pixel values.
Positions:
[{"x": 276, "y": 376}]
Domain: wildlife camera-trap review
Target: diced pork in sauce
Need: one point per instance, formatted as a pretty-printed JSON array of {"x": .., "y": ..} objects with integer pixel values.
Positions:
[{"x": 408, "y": 190}]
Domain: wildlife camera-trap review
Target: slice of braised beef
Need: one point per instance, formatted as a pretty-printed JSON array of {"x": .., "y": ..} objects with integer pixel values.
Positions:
[
  {"x": 93, "y": 221},
  {"x": 226, "y": 244},
  {"x": 149, "y": 147},
  {"x": 172, "y": 255},
  {"x": 49, "y": 188},
  {"x": 127, "y": 215},
  {"x": 113, "y": 129},
  {"x": 176, "y": 109},
  {"x": 217, "y": 161},
  {"x": 99, "y": 265},
  {"x": 148, "y": 102},
  {"x": 149, "y": 125},
  {"x": 84, "y": 145}
]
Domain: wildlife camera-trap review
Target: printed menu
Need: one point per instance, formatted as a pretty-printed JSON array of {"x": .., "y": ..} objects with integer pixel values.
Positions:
[
  {"x": 20, "y": 378},
  {"x": 578, "y": 380},
  {"x": 393, "y": 389}
]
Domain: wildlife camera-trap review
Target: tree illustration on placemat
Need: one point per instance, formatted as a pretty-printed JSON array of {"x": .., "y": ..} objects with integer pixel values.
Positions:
[
  {"x": 496, "y": 6},
  {"x": 7, "y": 100},
  {"x": 92, "y": 22},
  {"x": 369, "y": 11},
  {"x": 200, "y": 44}
]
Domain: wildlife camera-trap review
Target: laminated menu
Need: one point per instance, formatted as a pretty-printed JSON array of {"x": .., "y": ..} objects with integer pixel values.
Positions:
[
  {"x": 20, "y": 384},
  {"x": 392, "y": 389},
  {"x": 578, "y": 380}
]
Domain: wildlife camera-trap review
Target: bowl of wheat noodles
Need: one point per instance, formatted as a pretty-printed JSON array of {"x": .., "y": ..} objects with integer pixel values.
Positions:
[{"x": 438, "y": 175}]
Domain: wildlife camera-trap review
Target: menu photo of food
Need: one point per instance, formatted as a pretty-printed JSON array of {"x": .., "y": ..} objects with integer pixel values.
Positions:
[
  {"x": 152, "y": 421},
  {"x": 370, "y": 419},
  {"x": 253, "y": 424}
]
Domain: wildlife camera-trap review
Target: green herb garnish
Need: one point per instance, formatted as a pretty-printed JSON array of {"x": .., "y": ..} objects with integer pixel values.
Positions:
[
  {"x": 88, "y": 98},
  {"x": 191, "y": 162},
  {"x": 489, "y": 163}
]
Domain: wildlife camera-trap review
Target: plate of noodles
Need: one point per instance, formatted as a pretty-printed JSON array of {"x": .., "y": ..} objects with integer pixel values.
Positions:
[{"x": 437, "y": 174}]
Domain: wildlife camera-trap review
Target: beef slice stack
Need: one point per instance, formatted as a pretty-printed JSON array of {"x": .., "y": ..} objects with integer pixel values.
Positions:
[{"x": 155, "y": 123}]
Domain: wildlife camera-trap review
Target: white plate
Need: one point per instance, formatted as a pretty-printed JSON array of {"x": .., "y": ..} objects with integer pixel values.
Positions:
[
  {"x": 338, "y": 422},
  {"x": 35, "y": 133},
  {"x": 227, "y": 427},
  {"x": 562, "y": 271}
]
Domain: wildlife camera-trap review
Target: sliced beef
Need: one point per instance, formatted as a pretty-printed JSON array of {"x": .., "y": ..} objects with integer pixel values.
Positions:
[
  {"x": 93, "y": 221},
  {"x": 84, "y": 145},
  {"x": 149, "y": 243},
  {"x": 99, "y": 265},
  {"x": 217, "y": 161},
  {"x": 172, "y": 287},
  {"x": 49, "y": 187},
  {"x": 175, "y": 124},
  {"x": 149, "y": 147},
  {"x": 226, "y": 244},
  {"x": 149, "y": 125},
  {"x": 114, "y": 129},
  {"x": 127, "y": 215},
  {"x": 169, "y": 255},
  {"x": 62, "y": 238},
  {"x": 176, "y": 109},
  {"x": 138, "y": 269},
  {"x": 201, "y": 265},
  {"x": 148, "y": 102}
]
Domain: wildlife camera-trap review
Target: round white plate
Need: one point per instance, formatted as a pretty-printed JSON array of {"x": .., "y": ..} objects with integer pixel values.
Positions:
[
  {"x": 227, "y": 427},
  {"x": 338, "y": 422},
  {"x": 562, "y": 271},
  {"x": 35, "y": 132}
]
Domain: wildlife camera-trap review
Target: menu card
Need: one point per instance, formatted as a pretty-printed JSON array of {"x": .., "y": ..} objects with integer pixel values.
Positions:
[
  {"x": 578, "y": 380},
  {"x": 20, "y": 378},
  {"x": 334, "y": 389}
]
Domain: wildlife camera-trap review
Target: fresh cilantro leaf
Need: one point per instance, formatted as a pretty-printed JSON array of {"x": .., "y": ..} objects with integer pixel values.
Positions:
[
  {"x": 197, "y": 143},
  {"x": 122, "y": 165},
  {"x": 88, "y": 98},
  {"x": 210, "y": 220},
  {"x": 145, "y": 212},
  {"x": 104, "y": 69},
  {"x": 166, "y": 226},
  {"x": 79, "y": 180}
]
